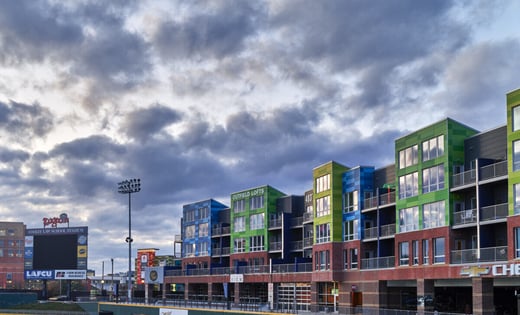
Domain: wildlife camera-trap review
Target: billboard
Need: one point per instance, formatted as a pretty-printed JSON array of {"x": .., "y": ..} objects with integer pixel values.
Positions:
[
  {"x": 60, "y": 250},
  {"x": 145, "y": 258}
]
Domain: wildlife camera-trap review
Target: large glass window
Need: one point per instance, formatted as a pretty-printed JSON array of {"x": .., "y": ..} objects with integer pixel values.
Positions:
[
  {"x": 517, "y": 239},
  {"x": 415, "y": 252},
  {"x": 203, "y": 229},
  {"x": 516, "y": 192},
  {"x": 323, "y": 233},
  {"x": 239, "y": 205},
  {"x": 433, "y": 178},
  {"x": 434, "y": 214},
  {"x": 189, "y": 216},
  {"x": 323, "y": 206},
  {"x": 425, "y": 252},
  {"x": 516, "y": 155},
  {"x": 239, "y": 224},
  {"x": 256, "y": 243},
  {"x": 516, "y": 118},
  {"x": 433, "y": 148},
  {"x": 351, "y": 230},
  {"x": 438, "y": 250},
  {"x": 189, "y": 231},
  {"x": 256, "y": 221},
  {"x": 408, "y": 185},
  {"x": 203, "y": 249},
  {"x": 189, "y": 250},
  {"x": 240, "y": 245},
  {"x": 404, "y": 254},
  {"x": 351, "y": 201},
  {"x": 322, "y": 183},
  {"x": 409, "y": 219},
  {"x": 203, "y": 212},
  {"x": 353, "y": 258},
  {"x": 408, "y": 157},
  {"x": 256, "y": 202}
]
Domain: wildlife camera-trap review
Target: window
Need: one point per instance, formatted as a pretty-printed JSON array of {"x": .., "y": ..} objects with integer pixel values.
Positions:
[
  {"x": 433, "y": 178},
  {"x": 256, "y": 221},
  {"x": 433, "y": 214},
  {"x": 409, "y": 219},
  {"x": 517, "y": 239},
  {"x": 189, "y": 250},
  {"x": 351, "y": 201},
  {"x": 516, "y": 118},
  {"x": 425, "y": 252},
  {"x": 323, "y": 206},
  {"x": 408, "y": 157},
  {"x": 203, "y": 229},
  {"x": 438, "y": 250},
  {"x": 203, "y": 249},
  {"x": 415, "y": 252},
  {"x": 203, "y": 212},
  {"x": 240, "y": 245},
  {"x": 345, "y": 259},
  {"x": 239, "y": 205},
  {"x": 239, "y": 224},
  {"x": 516, "y": 192},
  {"x": 323, "y": 233},
  {"x": 408, "y": 185},
  {"x": 189, "y": 216},
  {"x": 351, "y": 230},
  {"x": 322, "y": 183},
  {"x": 322, "y": 260},
  {"x": 404, "y": 254},
  {"x": 516, "y": 155},
  {"x": 433, "y": 148},
  {"x": 256, "y": 202},
  {"x": 256, "y": 243},
  {"x": 189, "y": 231},
  {"x": 353, "y": 258}
]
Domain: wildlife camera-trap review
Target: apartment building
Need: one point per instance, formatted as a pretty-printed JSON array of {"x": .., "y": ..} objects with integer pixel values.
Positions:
[{"x": 437, "y": 230}]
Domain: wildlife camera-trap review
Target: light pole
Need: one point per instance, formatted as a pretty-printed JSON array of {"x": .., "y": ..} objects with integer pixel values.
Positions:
[
  {"x": 112, "y": 281},
  {"x": 129, "y": 186}
]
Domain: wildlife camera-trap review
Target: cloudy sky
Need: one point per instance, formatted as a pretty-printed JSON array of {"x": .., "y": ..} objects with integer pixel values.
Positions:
[{"x": 201, "y": 99}]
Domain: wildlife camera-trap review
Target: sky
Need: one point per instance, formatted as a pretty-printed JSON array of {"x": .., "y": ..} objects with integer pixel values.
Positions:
[{"x": 201, "y": 99}]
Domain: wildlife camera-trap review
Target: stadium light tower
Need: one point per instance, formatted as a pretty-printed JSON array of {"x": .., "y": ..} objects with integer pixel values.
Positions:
[{"x": 129, "y": 186}]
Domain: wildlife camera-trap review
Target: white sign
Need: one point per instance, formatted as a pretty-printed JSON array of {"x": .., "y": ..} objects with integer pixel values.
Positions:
[
  {"x": 236, "y": 278},
  {"x": 70, "y": 275}
]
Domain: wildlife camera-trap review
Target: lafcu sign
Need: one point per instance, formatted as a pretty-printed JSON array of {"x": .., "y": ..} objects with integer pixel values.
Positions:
[
  {"x": 39, "y": 274},
  {"x": 53, "y": 222}
]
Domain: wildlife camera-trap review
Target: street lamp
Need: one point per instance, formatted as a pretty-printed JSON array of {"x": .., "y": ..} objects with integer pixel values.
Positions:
[{"x": 129, "y": 186}]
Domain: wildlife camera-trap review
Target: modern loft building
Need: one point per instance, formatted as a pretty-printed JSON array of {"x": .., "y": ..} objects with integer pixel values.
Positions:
[{"x": 439, "y": 229}]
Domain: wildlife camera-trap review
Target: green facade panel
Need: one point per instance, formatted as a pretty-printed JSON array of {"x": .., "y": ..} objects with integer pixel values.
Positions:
[
  {"x": 268, "y": 206},
  {"x": 454, "y": 135},
  {"x": 513, "y": 100},
  {"x": 335, "y": 218}
]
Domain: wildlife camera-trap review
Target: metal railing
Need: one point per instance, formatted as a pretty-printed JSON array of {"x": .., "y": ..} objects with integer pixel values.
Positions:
[
  {"x": 274, "y": 246},
  {"x": 297, "y": 245},
  {"x": 464, "y": 178},
  {"x": 465, "y": 217},
  {"x": 488, "y": 254},
  {"x": 494, "y": 212},
  {"x": 276, "y": 268},
  {"x": 275, "y": 223},
  {"x": 378, "y": 263},
  {"x": 220, "y": 230},
  {"x": 308, "y": 216},
  {"x": 388, "y": 230},
  {"x": 307, "y": 242},
  {"x": 493, "y": 170},
  {"x": 384, "y": 199},
  {"x": 298, "y": 221}
]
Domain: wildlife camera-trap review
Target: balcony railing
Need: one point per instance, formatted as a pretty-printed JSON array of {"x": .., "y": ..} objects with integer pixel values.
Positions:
[
  {"x": 486, "y": 172},
  {"x": 275, "y": 223},
  {"x": 494, "y": 212},
  {"x": 282, "y": 268},
  {"x": 296, "y": 221},
  {"x": 307, "y": 242},
  {"x": 216, "y": 251},
  {"x": 371, "y": 232},
  {"x": 384, "y": 199},
  {"x": 388, "y": 230},
  {"x": 488, "y": 254},
  {"x": 307, "y": 216},
  {"x": 220, "y": 230},
  {"x": 297, "y": 245},
  {"x": 493, "y": 170},
  {"x": 275, "y": 246},
  {"x": 465, "y": 217},
  {"x": 378, "y": 263}
]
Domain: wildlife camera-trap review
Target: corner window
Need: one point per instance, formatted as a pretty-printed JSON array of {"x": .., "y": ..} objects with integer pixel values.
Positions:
[
  {"x": 239, "y": 224},
  {"x": 516, "y": 155},
  {"x": 516, "y": 118},
  {"x": 239, "y": 205},
  {"x": 433, "y": 148},
  {"x": 256, "y": 243},
  {"x": 323, "y": 233},
  {"x": 240, "y": 245},
  {"x": 323, "y": 206},
  {"x": 409, "y": 219},
  {"x": 408, "y": 185},
  {"x": 256, "y": 202},
  {"x": 433, "y": 179},
  {"x": 322, "y": 183},
  {"x": 351, "y": 201},
  {"x": 351, "y": 230},
  {"x": 256, "y": 221},
  {"x": 434, "y": 214}
]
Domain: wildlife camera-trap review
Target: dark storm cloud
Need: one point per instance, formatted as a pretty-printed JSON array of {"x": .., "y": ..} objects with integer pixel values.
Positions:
[
  {"x": 144, "y": 123},
  {"x": 21, "y": 122},
  {"x": 216, "y": 30}
]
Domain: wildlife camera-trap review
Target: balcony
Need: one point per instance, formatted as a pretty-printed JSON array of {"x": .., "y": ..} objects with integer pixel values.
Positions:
[
  {"x": 275, "y": 223},
  {"x": 282, "y": 268},
  {"x": 224, "y": 251},
  {"x": 371, "y": 232},
  {"x": 296, "y": 246},
  {"x": 488, "y": 254},
  {"x": 220, "y": 231},
  {"x": 296, "y": 222},
  {"x": 494, "y": 212},
  {"x": 378, "y": 263},
  {"x": 308, "y": 216},
  {"x": 386, "y": 231},
  {"x": 275, "y": 246},
  {"x": 384, "y": 200},
  {"x": 307, "y": 242},
  {"x": 487, "y": 172},
  {"x": 465, "y": 217}
]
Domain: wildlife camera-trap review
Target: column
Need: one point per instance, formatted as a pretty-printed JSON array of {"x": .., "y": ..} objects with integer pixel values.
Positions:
[
  {"x": 482, "y": 296},
  {"x": 425, "y": 293}
]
